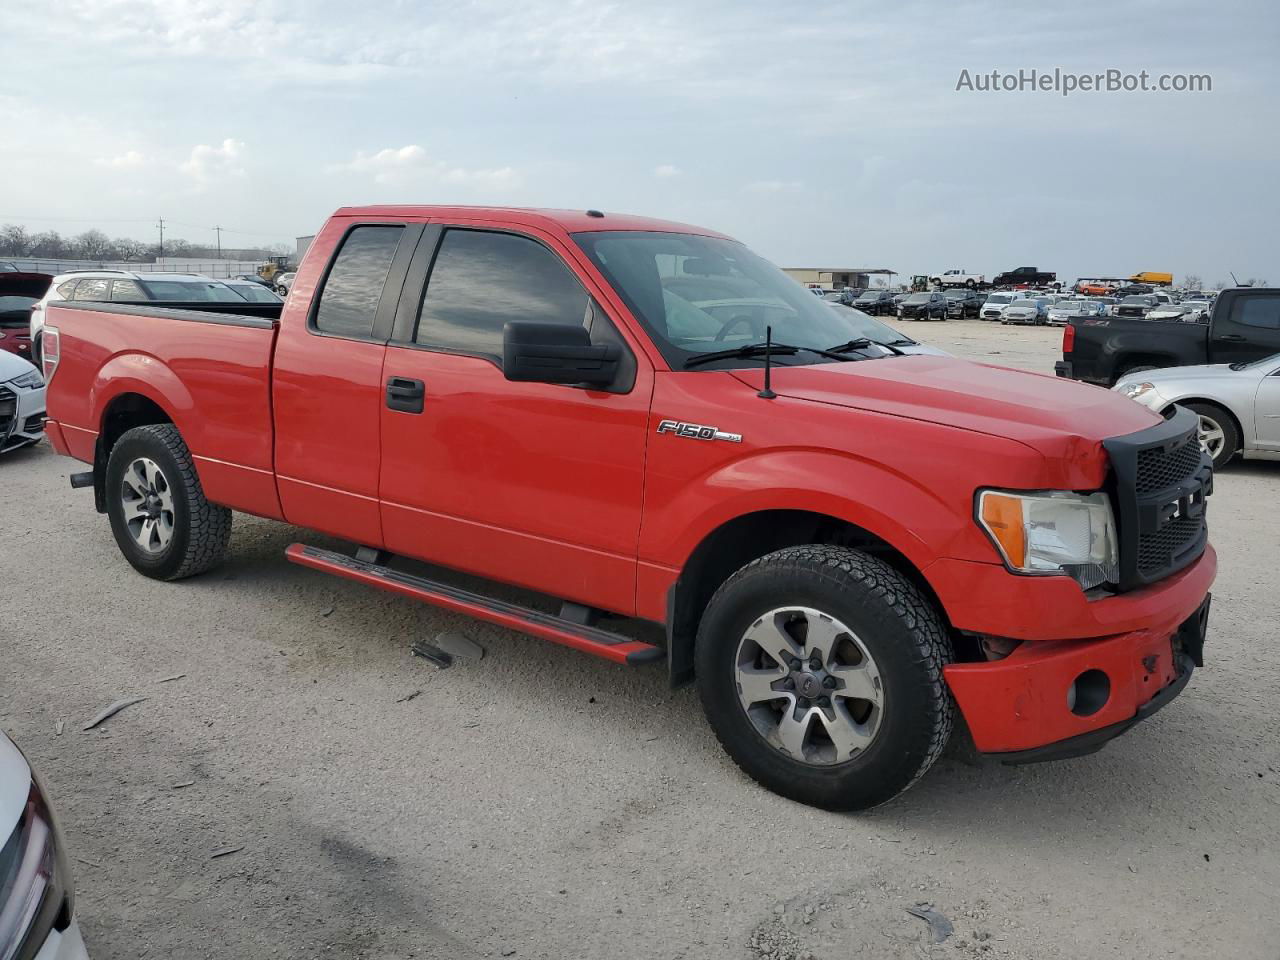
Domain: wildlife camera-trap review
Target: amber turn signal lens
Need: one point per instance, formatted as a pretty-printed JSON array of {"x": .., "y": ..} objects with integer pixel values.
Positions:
[{"x": 1002, "y": 516}]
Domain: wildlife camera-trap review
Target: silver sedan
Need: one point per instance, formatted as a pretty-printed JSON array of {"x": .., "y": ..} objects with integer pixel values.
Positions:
[{"x": 1238, "y": 404}]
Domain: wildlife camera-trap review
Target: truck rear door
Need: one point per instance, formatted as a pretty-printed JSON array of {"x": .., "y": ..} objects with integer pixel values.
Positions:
[
  {"x": 1245, "y": 327},
  {"x": 327, "y": 375},
  {"x": 534, "y": 484}
]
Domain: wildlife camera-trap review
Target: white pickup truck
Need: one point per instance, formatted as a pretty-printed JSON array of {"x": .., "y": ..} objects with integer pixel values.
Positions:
[{"x": 959, "y": 278}]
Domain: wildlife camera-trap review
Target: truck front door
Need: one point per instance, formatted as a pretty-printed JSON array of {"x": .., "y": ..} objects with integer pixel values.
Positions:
[
  {"x": 534, "y": 484},
  {"x": 1247, "y": 327}
]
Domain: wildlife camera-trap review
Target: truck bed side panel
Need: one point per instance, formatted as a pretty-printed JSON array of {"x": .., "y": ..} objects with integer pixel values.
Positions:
[{"x": 211, "y": 376}]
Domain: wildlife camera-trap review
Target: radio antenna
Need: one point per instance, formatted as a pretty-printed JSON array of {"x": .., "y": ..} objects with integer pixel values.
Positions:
[{"x": 767, "y": 393}]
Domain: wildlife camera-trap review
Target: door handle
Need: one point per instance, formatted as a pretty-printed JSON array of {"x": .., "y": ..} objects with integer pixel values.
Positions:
[
  {"x": 1230, "y": 338},
  {"x": 405, "y": 395}
]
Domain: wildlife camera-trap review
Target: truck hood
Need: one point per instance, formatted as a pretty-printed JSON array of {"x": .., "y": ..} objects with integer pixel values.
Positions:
[{"x": 1055, "y": 416}]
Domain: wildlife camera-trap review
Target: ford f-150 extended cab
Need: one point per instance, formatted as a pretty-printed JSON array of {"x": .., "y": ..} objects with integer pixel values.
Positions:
[
  {"x": 633, "y": 418},
  {"x": 1243, "y": 326}
]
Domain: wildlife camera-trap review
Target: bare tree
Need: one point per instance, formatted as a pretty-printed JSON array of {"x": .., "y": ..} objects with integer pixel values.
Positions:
[
  {"x": 93, "y": 245},
  {"x": 14, "y": 240},
  {"x": 1191, "y": 281},
  {"x": 129, "y": 249},
  {"x": 1220, "y": 285},
  {"x": 49, "y": 244}
]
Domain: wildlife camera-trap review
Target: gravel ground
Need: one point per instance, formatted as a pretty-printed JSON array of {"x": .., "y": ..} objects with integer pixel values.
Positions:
[{"x": 540, "y": 803}]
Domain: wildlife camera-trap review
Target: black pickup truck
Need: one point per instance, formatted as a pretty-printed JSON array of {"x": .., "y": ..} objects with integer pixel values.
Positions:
[
  {"x": 1244, "y": 325},
  {"x": 1031, "y": 276}
]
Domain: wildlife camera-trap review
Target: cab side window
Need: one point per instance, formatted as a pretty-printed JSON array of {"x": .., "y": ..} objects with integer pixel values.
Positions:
[
  {"x": 348, "y": 302},
  {"x": 482, "y": 279},
  {"x": 1258, "y": 312}
]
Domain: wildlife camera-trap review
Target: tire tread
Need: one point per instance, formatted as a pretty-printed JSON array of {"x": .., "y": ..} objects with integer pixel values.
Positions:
[{"x": 837, "y": 565}]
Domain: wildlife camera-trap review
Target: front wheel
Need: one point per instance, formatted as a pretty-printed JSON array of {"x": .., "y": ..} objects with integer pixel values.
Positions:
[
  {"x": 159, "y": 516},
  {"x": 1219, "y": 436},
  {"x": 820, "y": 671}
]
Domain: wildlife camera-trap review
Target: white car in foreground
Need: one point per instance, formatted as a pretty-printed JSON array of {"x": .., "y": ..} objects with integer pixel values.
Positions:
[
  {"x": 21, "y": 406},
  {"x": 1238, "y": 404},
  {"x": 37, "y": 905}
]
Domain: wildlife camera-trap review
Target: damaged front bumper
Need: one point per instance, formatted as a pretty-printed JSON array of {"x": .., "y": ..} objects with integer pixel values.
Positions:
[{"x": 1056, "y": 699}]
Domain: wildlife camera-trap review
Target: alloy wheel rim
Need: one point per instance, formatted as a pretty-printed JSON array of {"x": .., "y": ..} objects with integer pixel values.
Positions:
[
  {"x": 809, "y": 686},
  {"x": 1212, "y": 436},
  {"x": 147, "y": 500}
]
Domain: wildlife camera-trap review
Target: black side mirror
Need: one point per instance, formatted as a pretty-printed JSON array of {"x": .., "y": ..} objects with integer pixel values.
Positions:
[{"x": 556, "y": 353}]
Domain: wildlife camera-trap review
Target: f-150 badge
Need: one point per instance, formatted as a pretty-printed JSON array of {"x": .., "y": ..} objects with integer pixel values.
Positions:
[{"x": 697, "y": 431}]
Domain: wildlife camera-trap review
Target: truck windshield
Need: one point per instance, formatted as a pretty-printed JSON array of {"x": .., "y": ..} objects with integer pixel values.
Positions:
[{"x": 696, "y": 294}]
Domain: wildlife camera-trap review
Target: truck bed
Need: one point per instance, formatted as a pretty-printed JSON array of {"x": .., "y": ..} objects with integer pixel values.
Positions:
[{"x": 211, "y": 368}]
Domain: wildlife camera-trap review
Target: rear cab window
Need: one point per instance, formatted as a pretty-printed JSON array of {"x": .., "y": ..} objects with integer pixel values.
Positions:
[{"x": 347, "y": 303}]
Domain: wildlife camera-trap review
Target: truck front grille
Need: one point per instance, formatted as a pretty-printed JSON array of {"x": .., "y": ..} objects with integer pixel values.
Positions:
[{"x": 1161, "y": 479}]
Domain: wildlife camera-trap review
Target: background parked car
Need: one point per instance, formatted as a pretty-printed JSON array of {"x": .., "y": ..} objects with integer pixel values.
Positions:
[
  {"x": 283, "y": 282},
  {"x": 254, "y": 278},
  {"x": 1134, "y": 306},
  {"x": 923, "y": 306},
  {"x": 1028, "y": 310},
  {"x": 122, "y": 286},
  {"x": 958, "y": 278},
  {"x": 37, "y": 903},
  {"x": 1238, "y": 403},
  {"x": 254, "y": 292},
  {"x": 875, "y": 302},
  {"x": 19, "y": 292},
  {"x": 994, "y": 305},
  {"x": 1173, "y": 311},
  {"x": 1060, "y": 313},
  {"x": 964, "y": 303},
  {"x": 21, "y": 413}
]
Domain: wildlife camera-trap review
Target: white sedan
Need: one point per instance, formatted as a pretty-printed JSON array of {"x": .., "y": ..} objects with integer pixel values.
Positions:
[
  {"x": 37, "y": 905},
  {"x": 1238, "y": 404}
]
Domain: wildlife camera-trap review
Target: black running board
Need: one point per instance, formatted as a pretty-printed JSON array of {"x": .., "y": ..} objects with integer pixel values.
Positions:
[{"x": 602, "y": 643}]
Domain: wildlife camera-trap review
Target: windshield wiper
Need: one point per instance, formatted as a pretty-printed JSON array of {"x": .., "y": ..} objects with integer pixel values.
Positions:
[
  {"x": 861, "y": 344},
  {"x": 759, "y": 350}
]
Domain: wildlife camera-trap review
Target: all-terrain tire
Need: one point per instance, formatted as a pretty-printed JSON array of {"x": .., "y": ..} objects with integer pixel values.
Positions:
[
  {"x": 899, "y": 627},
  {"x": 201, "y": 530}
]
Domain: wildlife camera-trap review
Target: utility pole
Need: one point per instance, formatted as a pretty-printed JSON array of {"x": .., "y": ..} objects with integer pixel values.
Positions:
[
  {"x": 218, "y": 231},
  {"x": 161, "y": 226}
]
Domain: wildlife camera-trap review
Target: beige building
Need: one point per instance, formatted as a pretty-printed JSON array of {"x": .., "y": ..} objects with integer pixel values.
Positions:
[{"x": 835, "y": 278}]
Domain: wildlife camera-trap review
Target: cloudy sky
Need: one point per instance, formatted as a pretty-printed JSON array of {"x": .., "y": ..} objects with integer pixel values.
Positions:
[{"x": 814, "y": 131}]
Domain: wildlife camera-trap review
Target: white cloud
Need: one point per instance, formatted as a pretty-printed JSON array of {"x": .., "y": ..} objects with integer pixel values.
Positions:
[
  {"x": 411, "y": 163},
  {"x": 773, "y": 186},
  {"x": 130, "y": 159},
  {"x": 666, "y": 170},
  {"x": 208, "y": 163}
]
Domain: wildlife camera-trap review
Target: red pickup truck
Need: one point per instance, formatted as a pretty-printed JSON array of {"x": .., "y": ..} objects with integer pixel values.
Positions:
[{"x": 641, "y": 419}]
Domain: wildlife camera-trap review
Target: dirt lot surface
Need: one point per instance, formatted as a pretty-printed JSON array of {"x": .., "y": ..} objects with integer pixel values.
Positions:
[{"x": 542, "y": 804}]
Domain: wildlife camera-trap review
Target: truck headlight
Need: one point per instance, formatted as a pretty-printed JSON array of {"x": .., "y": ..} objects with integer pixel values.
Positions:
[{"x": 1053, "y": 532}]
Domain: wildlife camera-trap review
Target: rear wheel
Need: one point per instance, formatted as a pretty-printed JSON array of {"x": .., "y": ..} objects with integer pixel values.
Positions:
[
  {"x": 162, "y": 522},
  {"x": 820, "y": 671},
  {"x": 1219, "y": 436}
]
